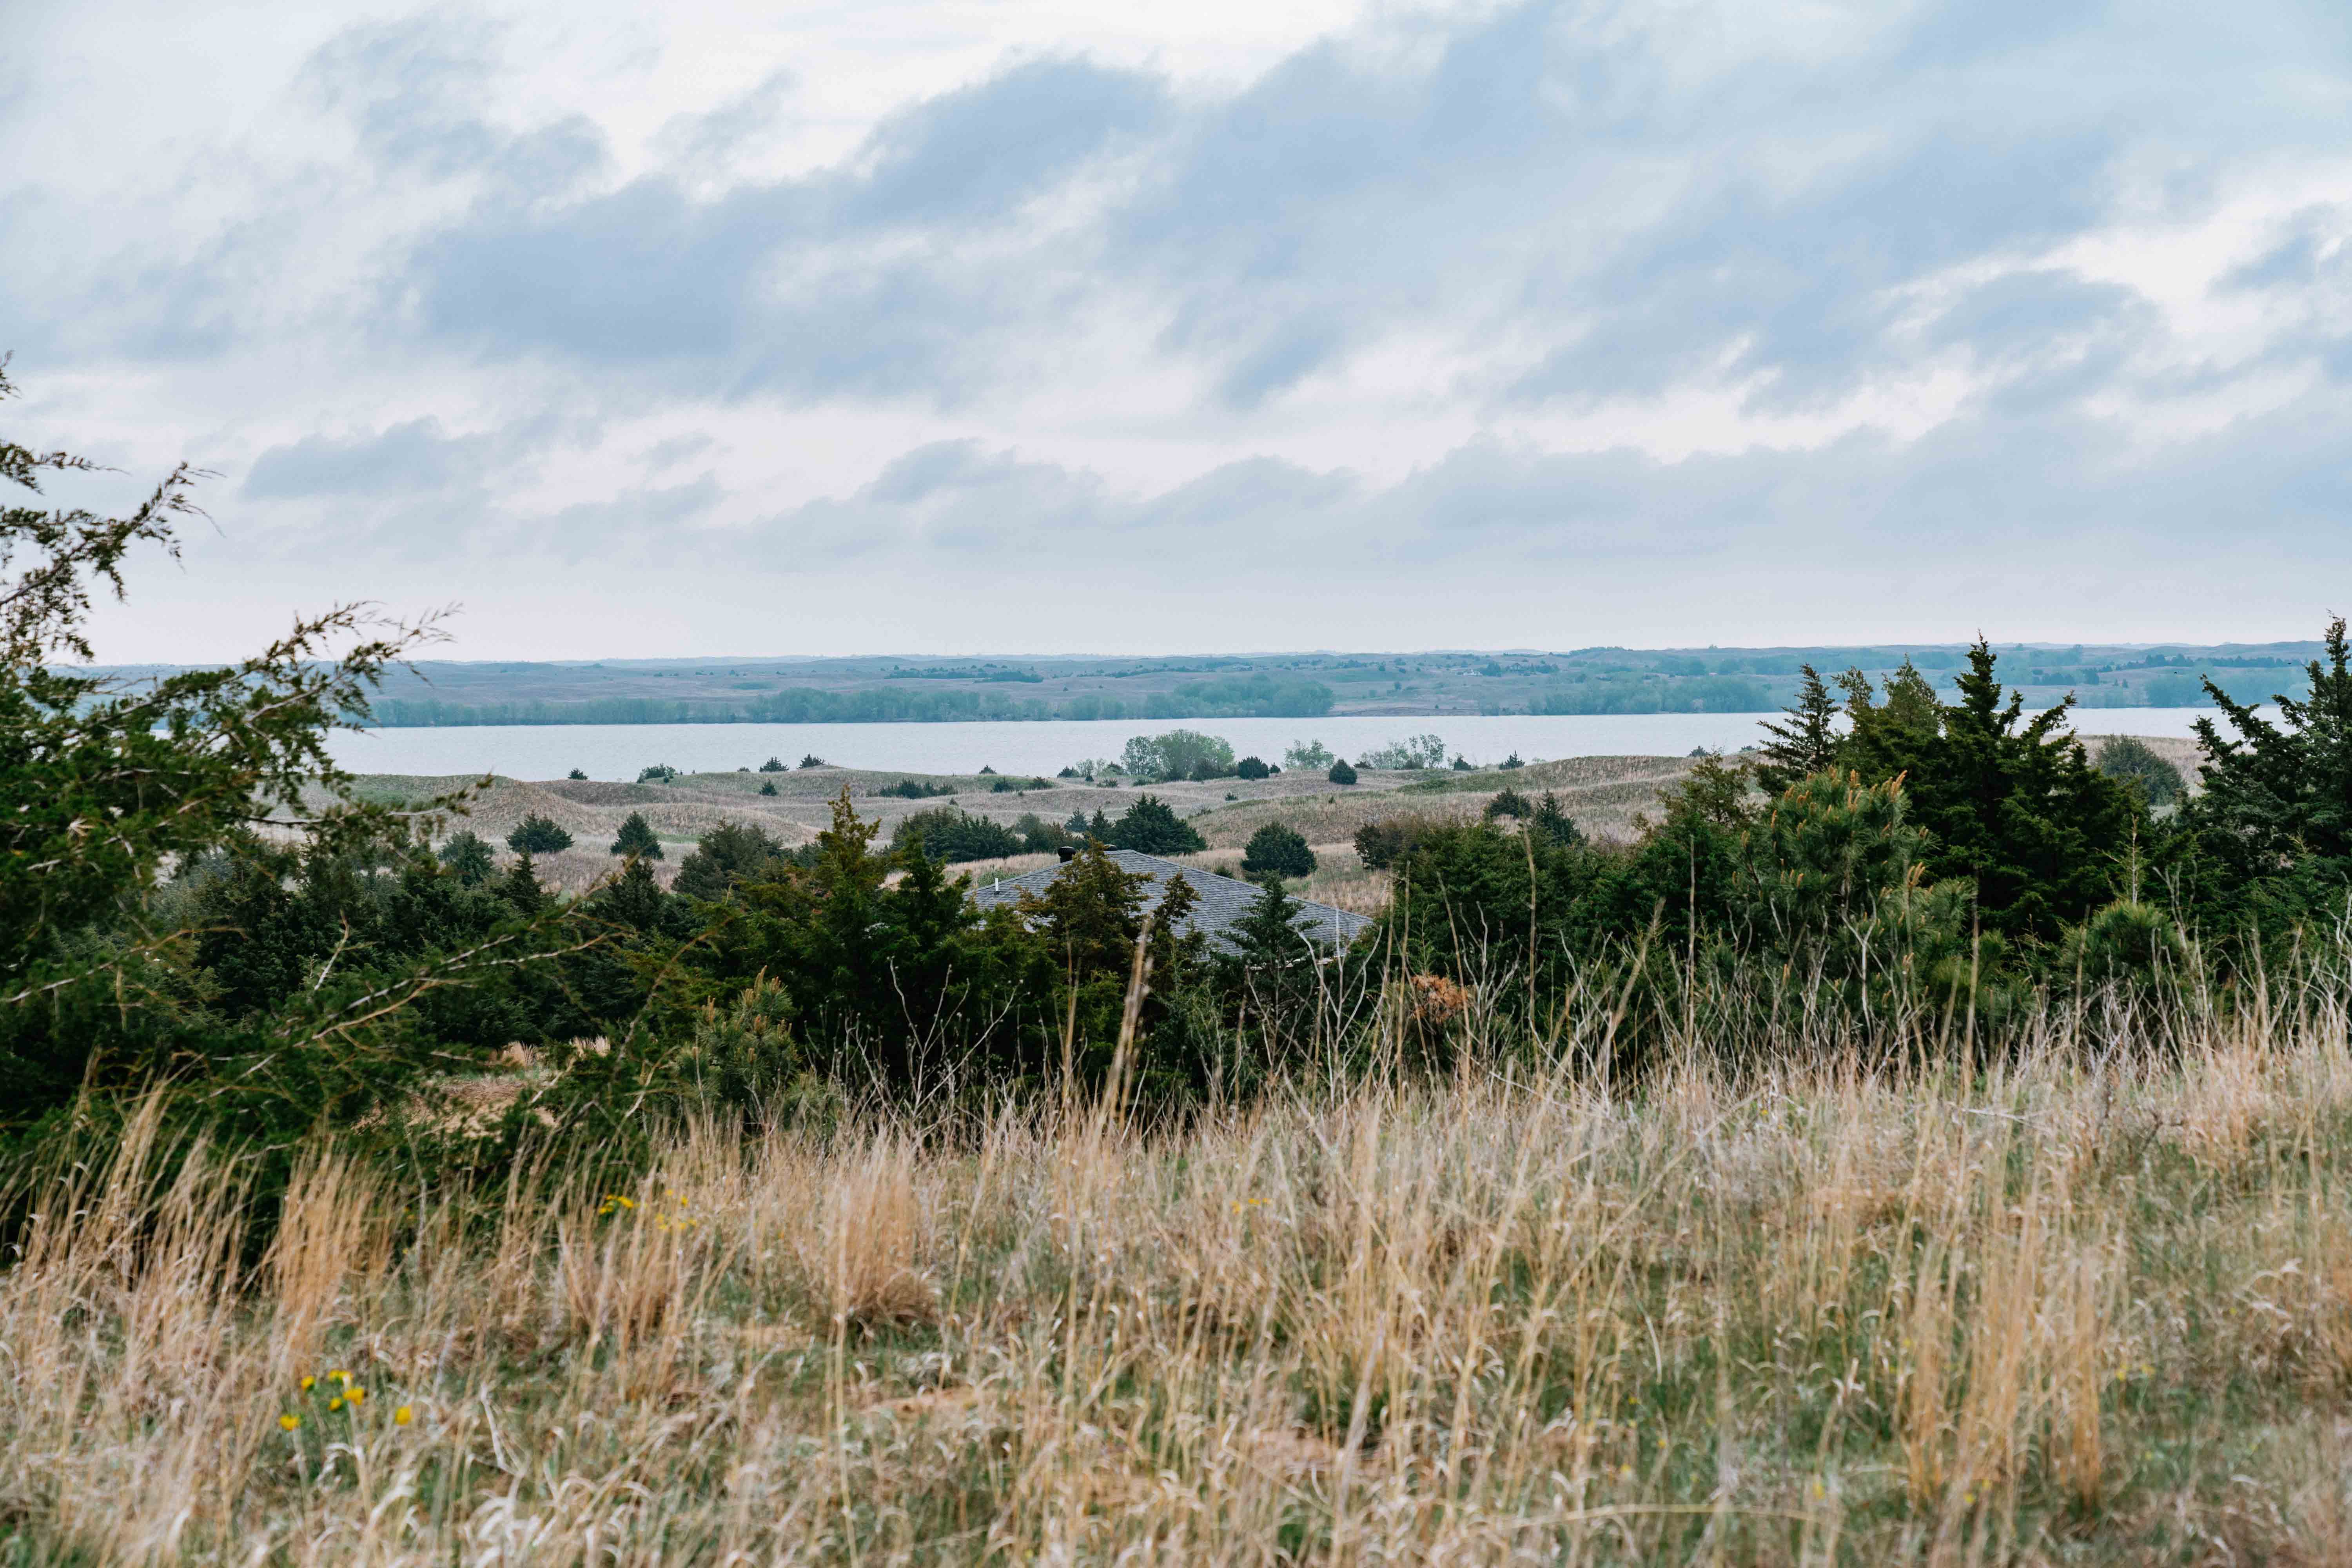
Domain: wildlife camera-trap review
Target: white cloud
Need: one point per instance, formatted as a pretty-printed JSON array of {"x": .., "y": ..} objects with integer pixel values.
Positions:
[{"x": 909, "y": 321}]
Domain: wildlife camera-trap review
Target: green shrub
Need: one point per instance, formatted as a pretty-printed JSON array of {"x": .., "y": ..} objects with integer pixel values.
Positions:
[
  {"x": 914, "y": 789},
  {"x": 1251, "y": 768},
  {"x": 2137, "y": 762},
  {"x": 1151, "y": 827},
  {"x": 468, "y": 856},
  {"x": 811, "y": 759},
  {"x": 577, "y": 773},
  {"x": 1307, "y": 756},
  {"x": 730, "y": 853},
  {"x": 772, "y": 765},
  {"x": 537, "y": 834},
  {"x": 1342, "y": 774},
  {"x": 1384, "y": 843},
  {"x": 767, "y": 786},
  {"x": 1510, "y": 803},
  {"x": 638, "y": 838},
  {"x": 658, "y": 774},
  {"x": 1276, "y": 850},
  {"x": 950, "y": 835}
]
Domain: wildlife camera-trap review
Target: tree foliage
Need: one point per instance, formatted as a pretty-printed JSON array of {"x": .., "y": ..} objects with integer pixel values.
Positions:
[
  {"x": 538, "y": 835},
  {"x": 636, "y": 838},
  {"x": 1277, "y": 850}
]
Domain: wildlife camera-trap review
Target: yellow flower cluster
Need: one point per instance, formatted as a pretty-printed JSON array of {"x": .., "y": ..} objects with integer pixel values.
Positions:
[{"x": 343, "y": 1394}]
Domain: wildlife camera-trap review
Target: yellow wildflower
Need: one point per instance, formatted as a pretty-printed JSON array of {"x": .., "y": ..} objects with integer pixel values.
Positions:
[
  {"x": 356, "y": 1394},
  {"x": 402, "y": 1416},
  {"x": 309, "y": 1383},
  {"x": 339, "y": 1377},
  {"x": 287, "y": 1422},
  {"x": 334, "y": 1404}
]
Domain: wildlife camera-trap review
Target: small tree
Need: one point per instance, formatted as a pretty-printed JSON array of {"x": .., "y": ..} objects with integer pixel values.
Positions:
[
  {"x": 638, "y": 838},
  {"x": 808, "y": 760},
  {"x": 767, "y": 786},
  {"x": 1342, "y": 774},
  {"x": 772, "y": 765},
  {"x": 1276, "y": 850},
  {"x": 659, "y": 773},
  {"x": 1308, "y": 755},
  {"x": 2137, "y": 762},
  {"x": 577, "y": 773},
  {"x": 521, "y": 889},
  {"x": 1807, "y": 744},
  {"x": 729, "y": 853},
  {"x": 1553, "y": 824},
  {"x": 468, "y": 859},
  {"x": 1251, "y": 768},
  {"x": 1510, "y": 803},
  {"x": 537, "y": 834},
  {"x": 1511, "y": 762},
  {"x": 1151, "y": 827}
]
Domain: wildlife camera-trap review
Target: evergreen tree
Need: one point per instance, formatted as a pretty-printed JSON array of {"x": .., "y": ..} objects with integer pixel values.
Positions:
[
  {"x": 1099, "y": 828},
  {"x": 2273, "y": 831},
  {"x": 521, "y": 887},
  {"x": 1805, "y": 745},
  {"x": 638, "y": 838},
  {"x": 2137, "y": 763},
  {"x": 730, "y": 854},
  {"x": 1276, "y": 850},
  {"x": 2016, "y": 808},
  {"x": 1342, "y": 774},
  {"x": 468, "y": 859},
  {"x": 537, "y": 834},
  {"x": 1551, "y": 825},
  {"x": 635, "y": 900},
  {"x": 1151, "y": 826}
]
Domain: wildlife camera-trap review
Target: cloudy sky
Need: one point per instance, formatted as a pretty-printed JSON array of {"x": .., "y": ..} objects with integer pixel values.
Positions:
[{"x": 1034, "y": 325}]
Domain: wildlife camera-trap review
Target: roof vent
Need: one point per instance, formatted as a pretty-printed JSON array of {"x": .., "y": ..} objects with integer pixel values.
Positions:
[{"x": 1068, "y": 854}]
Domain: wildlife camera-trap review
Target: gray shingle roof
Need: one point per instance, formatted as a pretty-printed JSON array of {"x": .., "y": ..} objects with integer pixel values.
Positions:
[{"x": 1220, "y": 901}]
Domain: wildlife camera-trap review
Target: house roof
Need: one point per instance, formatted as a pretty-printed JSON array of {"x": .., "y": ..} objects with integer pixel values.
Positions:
[{"x": 1219, "y": 903}]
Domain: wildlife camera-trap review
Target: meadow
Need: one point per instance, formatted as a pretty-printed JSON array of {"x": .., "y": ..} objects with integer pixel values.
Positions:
[{"x": 2088, "y": 1303}]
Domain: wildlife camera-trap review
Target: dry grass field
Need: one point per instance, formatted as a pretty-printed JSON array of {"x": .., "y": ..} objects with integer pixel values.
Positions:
[
  {"x": 1603, "y": 794},
  {"x": 2085, "y": 1308}
]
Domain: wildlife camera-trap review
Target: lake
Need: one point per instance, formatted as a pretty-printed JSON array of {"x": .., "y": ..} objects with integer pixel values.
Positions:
[{"x": 619, "y": 750}]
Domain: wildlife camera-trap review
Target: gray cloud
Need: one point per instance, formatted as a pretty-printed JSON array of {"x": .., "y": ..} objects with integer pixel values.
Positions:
[{"x": 1870, "y": 294}]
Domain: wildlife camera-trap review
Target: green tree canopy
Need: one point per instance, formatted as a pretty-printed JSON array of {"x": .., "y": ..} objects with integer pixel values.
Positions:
[
  {"x": 1152, "y": 826},
  {"x": 1276, "y": 850},
  {"x": 468, "y": 858},
  {"x": 537, "y": 834},
  {"x": 636, "y": 838},
  {"x": 1807, "y": 743},
  {"x": 2012, "y": 804}
]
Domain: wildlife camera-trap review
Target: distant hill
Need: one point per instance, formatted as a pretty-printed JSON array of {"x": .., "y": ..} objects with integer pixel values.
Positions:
[{"x": 1306, "y": 685}]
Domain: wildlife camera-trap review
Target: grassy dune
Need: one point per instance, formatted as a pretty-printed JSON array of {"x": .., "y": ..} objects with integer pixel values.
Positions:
[{"x": 2090, "y": 1307}]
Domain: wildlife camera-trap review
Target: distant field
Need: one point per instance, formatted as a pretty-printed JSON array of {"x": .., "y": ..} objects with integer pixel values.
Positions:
[{"x": 1602, "y": 795}]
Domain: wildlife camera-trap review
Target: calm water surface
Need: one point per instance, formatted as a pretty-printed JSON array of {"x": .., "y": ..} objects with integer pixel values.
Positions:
[{"x": 619, "y": 750}]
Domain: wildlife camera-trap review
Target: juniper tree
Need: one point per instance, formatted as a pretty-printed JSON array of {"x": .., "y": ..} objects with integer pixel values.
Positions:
[
  {"x": 1276, "y": 850},
  {"x": 537, "y": 834},
  {"x": 1805, "y": 745},
  {"x": 638, "y": 838},
  {"x": 468, "y": 858}
]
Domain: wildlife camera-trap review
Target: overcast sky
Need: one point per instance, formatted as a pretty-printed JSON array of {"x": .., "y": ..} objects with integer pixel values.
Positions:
[{"x": 1036, "y": 325}]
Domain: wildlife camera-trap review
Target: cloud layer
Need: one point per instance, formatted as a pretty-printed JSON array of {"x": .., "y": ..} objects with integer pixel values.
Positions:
[{"x": 1538, "y": 325}]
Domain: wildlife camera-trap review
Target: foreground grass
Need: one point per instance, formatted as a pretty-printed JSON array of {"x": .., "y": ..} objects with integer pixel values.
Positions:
[{"x": 2062, "y": 1314}]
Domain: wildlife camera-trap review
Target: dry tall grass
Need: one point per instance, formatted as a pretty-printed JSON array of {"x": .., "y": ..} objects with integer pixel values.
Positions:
[{"x": 2066, "y": 1312}]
